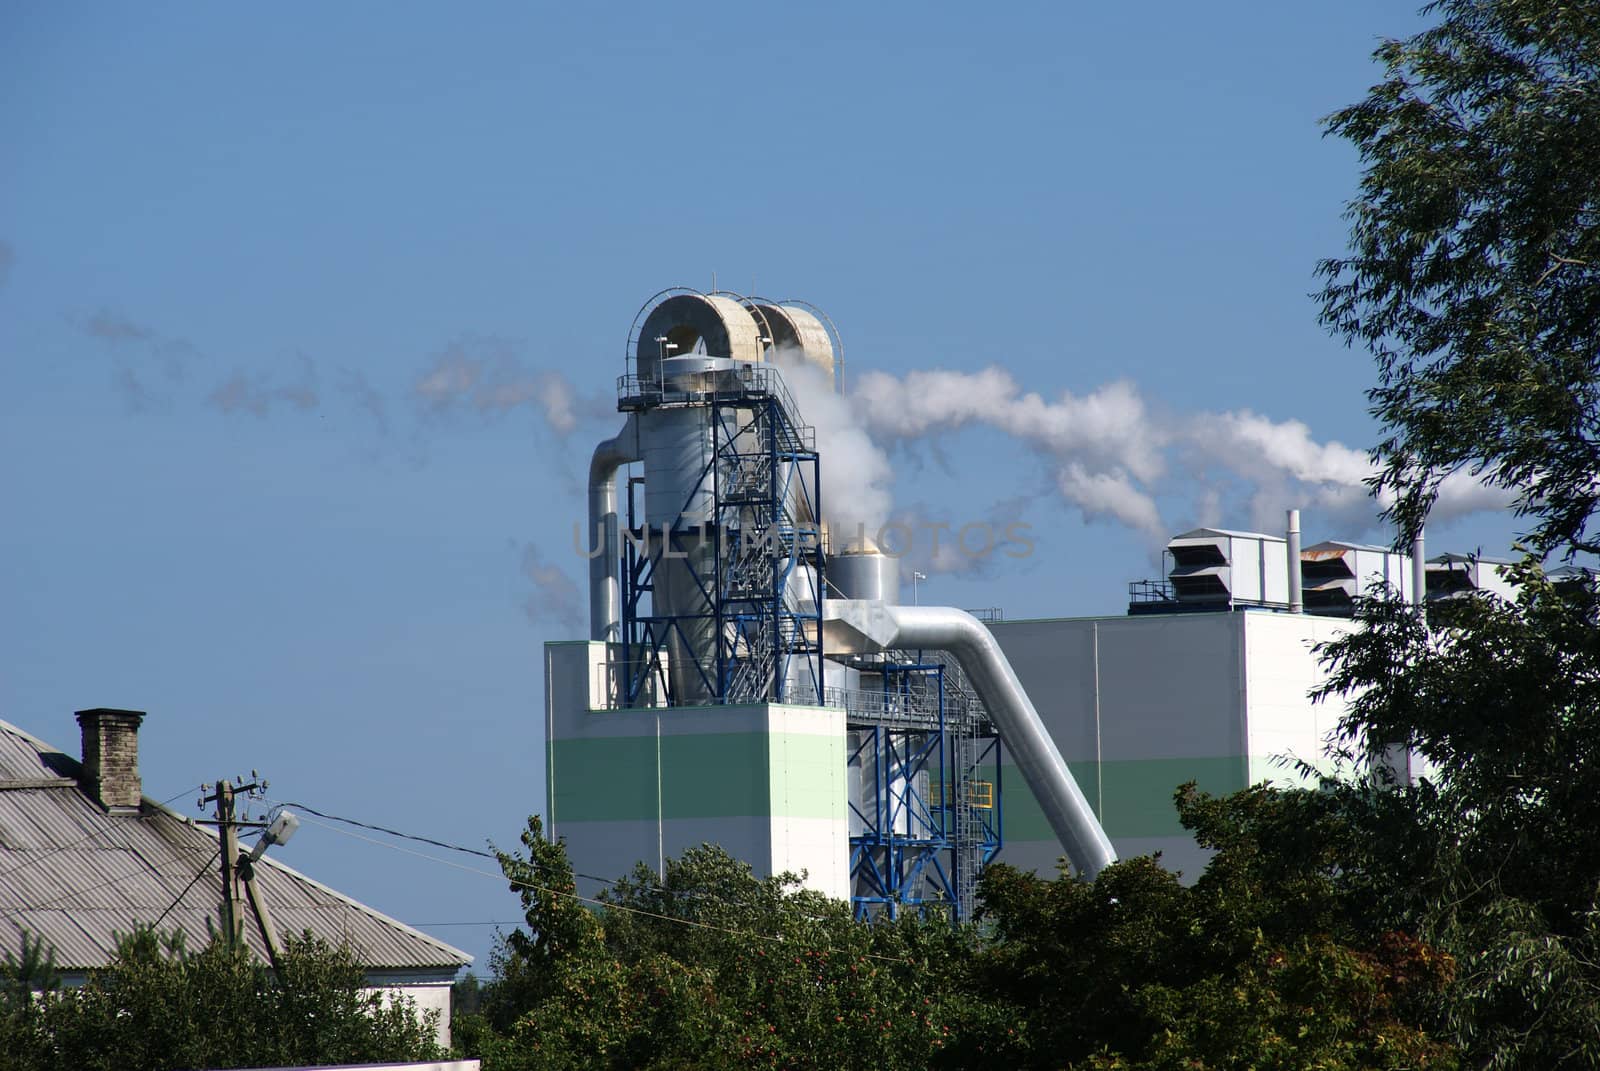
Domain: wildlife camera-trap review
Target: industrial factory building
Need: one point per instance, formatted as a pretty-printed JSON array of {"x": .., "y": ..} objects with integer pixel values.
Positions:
[{"x": 747, "y": 683}]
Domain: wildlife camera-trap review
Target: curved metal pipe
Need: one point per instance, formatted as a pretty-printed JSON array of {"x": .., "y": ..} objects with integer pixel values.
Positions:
[
  {"x": 863, "y": 627},
  {"x": 605, "y": 586}
]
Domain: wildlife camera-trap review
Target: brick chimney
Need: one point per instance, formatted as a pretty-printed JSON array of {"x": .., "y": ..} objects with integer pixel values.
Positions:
[{"x": 111, "y": 757}]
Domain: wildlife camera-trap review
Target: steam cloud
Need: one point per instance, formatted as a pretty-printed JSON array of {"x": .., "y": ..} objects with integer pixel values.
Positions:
[
  {"x": 487, "y": 376},
  {"x": 1103, "y": 449},
  {"x": 857, "y": 477},
  {"x": 257, "y": 395},
  {"x": 148, "y": 363},
  {"x": 113, "y": 327},
  {"x": 555, "y": 596},
  {"x": 1108, "y": 456},
  {"x": 1105, "y": 453}
]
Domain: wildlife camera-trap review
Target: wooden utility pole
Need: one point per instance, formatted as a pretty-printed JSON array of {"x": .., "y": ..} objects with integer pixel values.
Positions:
[
  {"x": 258, "y": 906},
  {"x": 227, "y": 830},
  {"x": 238, "y": 868}
]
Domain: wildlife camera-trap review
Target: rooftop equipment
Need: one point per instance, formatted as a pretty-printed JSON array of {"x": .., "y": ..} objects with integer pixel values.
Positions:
[
  {"x": 1218, "y": 569},
  {"x": 1334, "y": 573},
  {"x": 1450, "y": 575}
]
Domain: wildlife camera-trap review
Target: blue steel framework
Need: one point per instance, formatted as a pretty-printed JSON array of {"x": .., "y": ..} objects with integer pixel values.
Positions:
[
  {"x": 763, "y": 579},
  {"x": 931, "y": 825}
]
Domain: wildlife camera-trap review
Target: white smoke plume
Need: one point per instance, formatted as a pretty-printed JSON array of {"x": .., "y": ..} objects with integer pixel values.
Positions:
[
  {"x": 857, "y": 477},
  {"x": 149, "y": 363},
  {"x": 1285, "y": 464},
  {"x": 364, "y": 396},
  {"x": 114, "y": 327},
  {"x": 258, "y": 394},
  {"x": 1104, "y": 451},
  {"x": 555, "y": 598},
  {"x": 487, "y": 375},
  {"x": 1112, "y": 459}
]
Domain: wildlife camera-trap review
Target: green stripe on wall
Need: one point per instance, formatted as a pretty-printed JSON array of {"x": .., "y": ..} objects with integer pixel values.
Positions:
[
  {"x": 710, "y": 775},
  {"x": 1137, "y": 794}
]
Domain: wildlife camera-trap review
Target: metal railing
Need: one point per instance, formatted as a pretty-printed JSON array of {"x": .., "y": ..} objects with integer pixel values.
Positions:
[
  {"x": 1151, "y": 591},
  {"x": 748, "y": 382}
]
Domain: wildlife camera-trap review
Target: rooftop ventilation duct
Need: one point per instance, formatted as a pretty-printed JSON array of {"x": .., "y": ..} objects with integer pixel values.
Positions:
[
  {"x": 1214, "y": 568},
  {"x": 1458, "y": 574},
  {"x": 1334, "y": 573},
  {"x": 796, "y": 333},
  {"x": 683, "y": 325}
]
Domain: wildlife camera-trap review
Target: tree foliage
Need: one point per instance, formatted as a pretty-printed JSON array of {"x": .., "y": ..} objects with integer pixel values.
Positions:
[
  {"x": 1473, "y": 276},
  {"x": 1266, "y": 962},
  {"x": 1474, "y": 269},
  {"x": 1270, "y": 960},
  {"x": 711, "y": 966},
  {"x": 1498, "y": 859},
  {"x": 161, "y": 1007}
]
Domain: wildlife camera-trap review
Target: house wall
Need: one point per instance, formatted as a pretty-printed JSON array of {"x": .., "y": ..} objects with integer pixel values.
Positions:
[{"x": 427, "y": 995}]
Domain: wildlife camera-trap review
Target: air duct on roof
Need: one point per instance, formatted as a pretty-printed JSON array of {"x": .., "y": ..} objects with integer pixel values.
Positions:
[
  {"x": 1456, "y": 574},
  {"x": 1335, "y": 573},
  {"x": 1214, "y": 568}
]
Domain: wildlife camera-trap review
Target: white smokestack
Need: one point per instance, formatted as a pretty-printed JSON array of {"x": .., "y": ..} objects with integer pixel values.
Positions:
[
  {"x": 1296, "y": 598},
  {"x": 1419, "y": 571}
]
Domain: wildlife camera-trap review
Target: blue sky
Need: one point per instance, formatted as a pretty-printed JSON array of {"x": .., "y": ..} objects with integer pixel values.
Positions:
[{"x": 236, "y": 240}]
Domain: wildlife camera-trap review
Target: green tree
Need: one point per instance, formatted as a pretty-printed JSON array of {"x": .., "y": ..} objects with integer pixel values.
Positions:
[
  {"x": 1500, "y": 862},
  {"x": 160, "y": 1006},
  {"x": 1474, "y": 278},
  {"x": 711, "y": 966},
  {"x": 30, "y": 972},
  {"x": 1274, "y": 958},
  {"x": 1474, "y": 269}
]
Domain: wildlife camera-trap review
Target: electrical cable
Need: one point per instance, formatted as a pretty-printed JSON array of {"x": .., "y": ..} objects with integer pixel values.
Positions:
[
  {"x": 196, "y": 880},
  {"x": 516, "y": 882},
  {"x": 427, "y": 840},
  {"x": 392, "y": 832}
]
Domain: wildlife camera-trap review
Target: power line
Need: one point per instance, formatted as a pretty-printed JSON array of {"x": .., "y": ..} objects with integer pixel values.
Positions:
[
  {"x": 426, "y": 840},
  {"x": 695, "y": 923},
  {"x": 204, "y": 870},
  {"x": 392, "y": 832}
]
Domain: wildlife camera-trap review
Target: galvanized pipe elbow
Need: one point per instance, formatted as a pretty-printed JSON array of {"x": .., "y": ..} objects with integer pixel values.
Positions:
[
  {"x": 602, "y": 539},
  {"x": 866, "y": 626}
]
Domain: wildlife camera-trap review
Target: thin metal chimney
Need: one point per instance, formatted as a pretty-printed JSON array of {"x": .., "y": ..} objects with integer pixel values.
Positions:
[
  {"x": 1419, "y": 571},
  {"x": 1296, "y": 597},
  {"x": 111, "y": 757}
]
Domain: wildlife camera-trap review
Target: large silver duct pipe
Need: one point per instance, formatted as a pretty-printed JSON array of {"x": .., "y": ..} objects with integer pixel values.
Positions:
[
  {"x": 1297, "y": 602},
  {"x": 864, "y": 574},
  {"x": 605, "y": 586},
  {"x": 865, "y": 627}
]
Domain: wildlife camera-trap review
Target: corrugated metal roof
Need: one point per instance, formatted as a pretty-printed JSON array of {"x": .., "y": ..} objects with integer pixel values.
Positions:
[
  {"x": 77, "y": 876},
  {"x": 1229, "y": 533}
]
